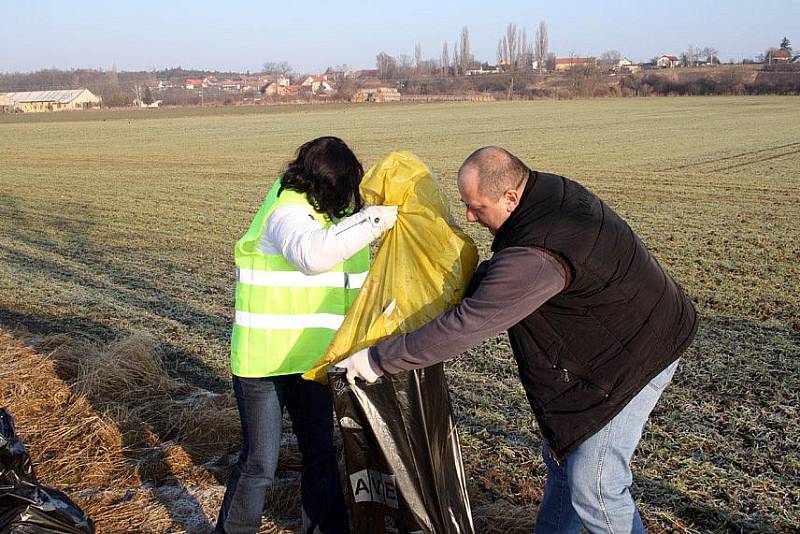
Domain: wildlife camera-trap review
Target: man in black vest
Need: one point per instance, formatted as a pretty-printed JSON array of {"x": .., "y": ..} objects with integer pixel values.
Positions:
[{"x": 596, "y": 326}]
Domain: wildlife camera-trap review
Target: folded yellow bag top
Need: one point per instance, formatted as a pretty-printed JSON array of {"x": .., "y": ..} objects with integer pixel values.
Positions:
[{"x": 422, "y": 267}]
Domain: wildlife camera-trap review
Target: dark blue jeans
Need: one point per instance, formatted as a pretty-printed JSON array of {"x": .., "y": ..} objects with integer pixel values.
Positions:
[{"x": 260, "y": 402}]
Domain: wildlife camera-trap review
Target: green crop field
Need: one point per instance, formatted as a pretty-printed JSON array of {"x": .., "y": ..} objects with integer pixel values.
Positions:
[{"x": 115, "y": 223}]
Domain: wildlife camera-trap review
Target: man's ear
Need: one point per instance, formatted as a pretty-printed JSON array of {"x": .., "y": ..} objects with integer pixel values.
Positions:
[{"x": 512, "y": 197}]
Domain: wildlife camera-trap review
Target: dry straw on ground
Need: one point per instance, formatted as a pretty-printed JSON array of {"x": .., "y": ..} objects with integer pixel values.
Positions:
[
  {"x": 138, "y": 450},
  {"x": 502, "y": 517}
]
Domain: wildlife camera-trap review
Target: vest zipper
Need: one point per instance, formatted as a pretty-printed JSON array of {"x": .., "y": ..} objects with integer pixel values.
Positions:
[{"x": 567, "y": 378}]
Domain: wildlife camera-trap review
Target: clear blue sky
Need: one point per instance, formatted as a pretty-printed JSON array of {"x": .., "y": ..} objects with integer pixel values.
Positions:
[{"x": 310, "y": 34}]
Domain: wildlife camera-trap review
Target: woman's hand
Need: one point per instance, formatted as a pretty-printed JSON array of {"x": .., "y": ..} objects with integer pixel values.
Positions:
[{"x": 381, "y": 217}]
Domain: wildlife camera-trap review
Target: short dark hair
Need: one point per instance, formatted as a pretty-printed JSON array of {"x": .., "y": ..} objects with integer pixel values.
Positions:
[
  {"x": 328, "y": 173},
  {"x": 498, "y": 170}
]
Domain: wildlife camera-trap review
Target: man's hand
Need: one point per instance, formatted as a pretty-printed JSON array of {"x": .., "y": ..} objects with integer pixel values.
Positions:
[{"x": 357, "y": 366}]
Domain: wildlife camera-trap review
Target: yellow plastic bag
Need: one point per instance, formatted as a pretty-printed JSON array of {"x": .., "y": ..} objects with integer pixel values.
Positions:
[{"x": 422, "y": 267}]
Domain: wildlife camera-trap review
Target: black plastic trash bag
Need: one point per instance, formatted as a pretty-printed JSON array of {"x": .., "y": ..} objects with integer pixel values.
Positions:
[
  {"x": 404, "y": 468},
  {"x": 25, "y": 506}
]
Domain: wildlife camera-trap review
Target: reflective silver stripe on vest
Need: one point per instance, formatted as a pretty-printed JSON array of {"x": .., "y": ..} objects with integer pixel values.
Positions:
[
  {"x": 278, "y": 321},
  {"x": 298, "y": 279},
  {"x": 356, "y": 280}
]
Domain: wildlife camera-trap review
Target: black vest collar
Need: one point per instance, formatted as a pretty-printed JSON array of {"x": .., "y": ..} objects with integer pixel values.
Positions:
[{"x": 530, "y": 208}]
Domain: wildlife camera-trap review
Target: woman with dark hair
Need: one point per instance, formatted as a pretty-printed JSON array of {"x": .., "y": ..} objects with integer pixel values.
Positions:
[{"x": 298, "y": 269}]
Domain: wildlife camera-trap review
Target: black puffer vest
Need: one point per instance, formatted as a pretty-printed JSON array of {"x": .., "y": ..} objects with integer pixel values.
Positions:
[{"x": 622, "y": 319}]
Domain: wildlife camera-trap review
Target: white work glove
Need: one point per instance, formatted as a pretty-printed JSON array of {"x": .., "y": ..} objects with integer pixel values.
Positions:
[
  {"x": 357, "y": 366},
  {"x": 381, "y": 218}
]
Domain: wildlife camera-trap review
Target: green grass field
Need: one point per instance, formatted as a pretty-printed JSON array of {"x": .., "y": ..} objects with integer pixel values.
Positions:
[{"x": 114, "y": 223}]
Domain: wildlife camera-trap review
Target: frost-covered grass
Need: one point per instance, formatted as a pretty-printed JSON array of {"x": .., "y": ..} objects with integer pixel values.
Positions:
[{"x": 118, "y": 223}]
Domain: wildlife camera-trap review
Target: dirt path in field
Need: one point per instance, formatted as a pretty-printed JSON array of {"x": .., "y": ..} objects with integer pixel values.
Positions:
[{"x": 742, "y": 159}]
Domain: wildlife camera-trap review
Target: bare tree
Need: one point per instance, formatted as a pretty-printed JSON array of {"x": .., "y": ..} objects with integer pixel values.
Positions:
[
  {"x": 609, "y": 59},
  {"x": 405, "y": 65},
  {"x": 525, "y": 51},
  {"x": 113, "y": 78},
  {"x": 541, "y": 44},
  {"x": 501, "y": 52},
  {"x": 529, "y": 55},
  {"x": 689, "y": 57},
  {"x": 337, "y": 72},
  {"x": 711, "y": 54},
  {"x": 611, "y": 55},
  {"x": 445, "y": 59},
  {"x": 346, "y": 89},
  {"x": 429, "y": 66},
  {"x": 550, "y": 62},
  {"x": 456, "y": 58},
  {"x": 510, "y": 45},
  {"x": 508, "y": 51},
  {"x": 277, "y": 67},
  {"x": 464, "y": 55},
  {"x": 417, "y": 56},
  {"x": 387, "y": 66}
]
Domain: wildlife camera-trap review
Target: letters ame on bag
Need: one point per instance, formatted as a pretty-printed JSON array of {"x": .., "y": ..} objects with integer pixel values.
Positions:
[{"x": 373, "y": 486}]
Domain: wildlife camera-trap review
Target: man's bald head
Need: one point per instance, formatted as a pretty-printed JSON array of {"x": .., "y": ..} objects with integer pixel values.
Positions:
[{"x": 497, "y": 170}]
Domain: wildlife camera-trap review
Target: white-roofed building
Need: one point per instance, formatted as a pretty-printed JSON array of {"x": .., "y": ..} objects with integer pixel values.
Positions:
[
  {"x": 668, "y": 61},
  {"x": 59, "y": 100}
]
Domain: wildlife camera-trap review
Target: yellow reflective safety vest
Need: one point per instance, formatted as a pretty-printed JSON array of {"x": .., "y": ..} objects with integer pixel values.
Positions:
[{"x": 285, "y": 319}]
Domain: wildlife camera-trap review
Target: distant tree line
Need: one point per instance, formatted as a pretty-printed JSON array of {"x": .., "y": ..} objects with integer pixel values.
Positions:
[
  {"x": 524, "y": 68},
  {"x": 515, "y": 53}
]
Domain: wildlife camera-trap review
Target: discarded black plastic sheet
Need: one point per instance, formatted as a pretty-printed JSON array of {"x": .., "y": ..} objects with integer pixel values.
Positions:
[
  {"x": 404, "y": 468},
  {"x": 26, "y": 507}
]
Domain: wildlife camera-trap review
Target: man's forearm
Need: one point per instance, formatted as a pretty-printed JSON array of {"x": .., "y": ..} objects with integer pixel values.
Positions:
[{"x": 518, "y": 281}]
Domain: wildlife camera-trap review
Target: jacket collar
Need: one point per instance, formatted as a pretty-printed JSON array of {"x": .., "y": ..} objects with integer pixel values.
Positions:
[{"x": 529, "y": 208}]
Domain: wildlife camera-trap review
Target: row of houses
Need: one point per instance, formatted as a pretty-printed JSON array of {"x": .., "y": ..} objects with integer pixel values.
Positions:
[
  {"x": 622, "y": 64},
  {"x": 776, "y": 55},
  {"x": 324, "y": 85},
  {"x": 243, "y": 83},
  {"x": 318, "y": 85},
  {"x": 666, "y": 61},
  {"x": 37, "y": 101},
  {"x": 371, "y": 90},
  {"x": 280, "y": 85},
  {"x": 561, "y": 64},
  {"x": 315, "y": 85},
  {"x": 270, "y": 85}
]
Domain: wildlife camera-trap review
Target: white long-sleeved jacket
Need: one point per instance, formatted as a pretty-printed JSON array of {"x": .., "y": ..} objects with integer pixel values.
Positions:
[{"x": 293, "y": 232}]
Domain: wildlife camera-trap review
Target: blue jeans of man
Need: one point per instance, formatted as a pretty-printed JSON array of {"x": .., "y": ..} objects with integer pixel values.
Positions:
[
  {"x": 261, "y": 402},
  {"x": 589, "y": 486}
]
